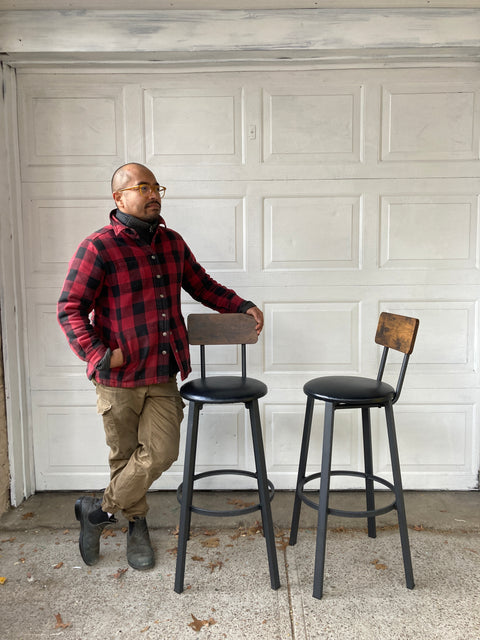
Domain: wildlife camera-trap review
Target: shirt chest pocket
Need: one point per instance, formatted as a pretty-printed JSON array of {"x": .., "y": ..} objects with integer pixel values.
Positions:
[{"x": 128, "y": 276}]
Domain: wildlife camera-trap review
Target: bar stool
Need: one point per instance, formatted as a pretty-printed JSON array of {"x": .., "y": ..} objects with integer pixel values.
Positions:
[
  {"x": 223, "y": 329},
  {"x": 354, "y": 392}
]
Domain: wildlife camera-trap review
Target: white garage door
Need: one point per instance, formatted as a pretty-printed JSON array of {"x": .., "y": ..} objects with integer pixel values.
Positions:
[{"x": 326, "y": 196}]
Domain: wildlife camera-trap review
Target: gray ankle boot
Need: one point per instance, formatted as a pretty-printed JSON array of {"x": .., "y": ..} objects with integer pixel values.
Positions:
[
  {"x": 139, "y": 549},
  {"x": 89, "y": 540}
]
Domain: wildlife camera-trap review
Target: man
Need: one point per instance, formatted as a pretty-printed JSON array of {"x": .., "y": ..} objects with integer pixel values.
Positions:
[{"x": 120, "y": 310}]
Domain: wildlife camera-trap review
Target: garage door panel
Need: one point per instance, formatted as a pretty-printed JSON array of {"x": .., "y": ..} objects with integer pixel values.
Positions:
[
  {"x": 70, "y": 123},
  {"x": 318, "y": 125},
  {"x": 429, "y": 231},
  {"x": 214, "y": 227},
  {"x": 284, "y": 439},
  {"x": 190, "y": 126},
  {"x": 433, "y": 440},
  {"x": 70, "y": 441},
  {"x": 434, "y": 122},
  {"x": 52, "y": 363},
  {"x": 448, "y": 333},
  {"x": 60, "y": 223},
  {"x": 327, "y": 232},
  {"x": 312, "y": 337}
]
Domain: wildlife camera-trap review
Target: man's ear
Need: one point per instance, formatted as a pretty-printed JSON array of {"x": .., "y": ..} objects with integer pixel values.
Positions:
[{"x": 118, "y": 197}]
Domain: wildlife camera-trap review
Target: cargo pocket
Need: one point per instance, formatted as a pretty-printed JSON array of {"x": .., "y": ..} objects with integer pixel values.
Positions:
[
  {"x": 180, "y": 407},
  {"x": 103, "y": 406}
]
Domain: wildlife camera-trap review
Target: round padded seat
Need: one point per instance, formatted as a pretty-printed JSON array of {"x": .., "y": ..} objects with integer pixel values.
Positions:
[
  {"x": 349, "y": 389},
  {"x": 223, "y": 389}
]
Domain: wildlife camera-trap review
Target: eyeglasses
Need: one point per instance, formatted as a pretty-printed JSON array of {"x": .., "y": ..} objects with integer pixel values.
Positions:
[{"x": 145, "y": 188}]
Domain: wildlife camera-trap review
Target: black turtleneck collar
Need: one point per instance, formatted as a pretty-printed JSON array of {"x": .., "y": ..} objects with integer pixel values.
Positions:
[{"x": 145, "y": 230}]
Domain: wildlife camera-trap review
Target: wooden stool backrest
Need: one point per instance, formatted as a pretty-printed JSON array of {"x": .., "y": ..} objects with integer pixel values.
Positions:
[
  {"x": 221, "y": 328},
  {"x": 397, "y": 332}
]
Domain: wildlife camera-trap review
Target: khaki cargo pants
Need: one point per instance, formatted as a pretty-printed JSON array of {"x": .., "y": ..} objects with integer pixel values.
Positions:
[{"x": 142, "y": 429}]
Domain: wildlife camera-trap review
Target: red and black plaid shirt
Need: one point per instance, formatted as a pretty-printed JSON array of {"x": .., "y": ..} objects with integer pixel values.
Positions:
[{"x": 122, "y": 292}]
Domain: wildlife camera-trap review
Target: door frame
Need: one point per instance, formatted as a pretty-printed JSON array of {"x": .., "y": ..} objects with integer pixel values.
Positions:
[{"x": 12, "y": 308}]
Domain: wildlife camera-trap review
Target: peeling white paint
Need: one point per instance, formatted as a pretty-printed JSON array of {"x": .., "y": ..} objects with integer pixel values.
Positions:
[{"x": 174, "y": 31}]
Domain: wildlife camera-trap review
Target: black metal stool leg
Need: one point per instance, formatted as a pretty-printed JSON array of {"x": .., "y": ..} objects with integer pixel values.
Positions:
[
  {"x": 400, "y": 504},
  {"x": 323, "y": 501},
  {"x": 302, "y": 467},
  {"x": 187, "y": 493},
  {"x": 368, "y": 457},
  {"x": 263, "y": 493}
]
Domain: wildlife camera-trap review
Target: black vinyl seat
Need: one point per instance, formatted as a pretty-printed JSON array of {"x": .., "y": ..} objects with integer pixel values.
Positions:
[
  {"x": 225, "y": 390},
  {"x": 352, "y": 390},
  {"x": 355, "y": 392},
  {"x": 222, "y": 329}
]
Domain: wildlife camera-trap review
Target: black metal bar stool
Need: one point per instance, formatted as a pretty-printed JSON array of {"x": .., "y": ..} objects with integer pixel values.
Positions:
[
  {"x": 354, "y": 392},
  {"x": 209, "y": 329}
]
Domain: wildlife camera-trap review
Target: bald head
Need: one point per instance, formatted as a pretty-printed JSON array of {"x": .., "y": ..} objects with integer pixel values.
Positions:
[
  {"x": 124, "y": 174},
  {"x": 145, "y": 206}
]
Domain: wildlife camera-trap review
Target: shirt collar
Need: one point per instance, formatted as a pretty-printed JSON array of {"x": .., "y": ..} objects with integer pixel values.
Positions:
[{"x": 135, "y": 223}]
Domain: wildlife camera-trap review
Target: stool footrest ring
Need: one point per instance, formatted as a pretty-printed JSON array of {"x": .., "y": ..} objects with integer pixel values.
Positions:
[
  {"x": 226, "y": 513},
  {"x": 341, "y": 512}
]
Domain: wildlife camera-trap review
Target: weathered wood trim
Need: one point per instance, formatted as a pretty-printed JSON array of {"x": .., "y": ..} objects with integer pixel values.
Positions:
[
  {"x": 4, "y": 464},
  {"x": 11, "y": 298},
  {"x": 197, "y": 5},
  {"x": 156, "y": 31}
]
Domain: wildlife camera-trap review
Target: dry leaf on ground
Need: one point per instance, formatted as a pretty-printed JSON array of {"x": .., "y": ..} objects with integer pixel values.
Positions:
[
  {"x": 210, "y": 542},
  {"x": 215, "y": 565},
  {"x": 60, "y": 624},
  {"x": 249, "y": 532},
  {"x": 119, "y": 573},
  {"x": 240, "y": 504},
  {"x": 282, "y": 543},
  {"x": 197, "y": 624}
]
